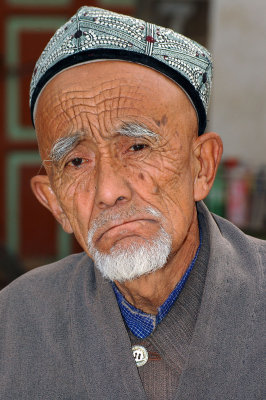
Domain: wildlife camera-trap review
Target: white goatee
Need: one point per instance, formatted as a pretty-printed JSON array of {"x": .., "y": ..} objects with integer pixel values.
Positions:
[{"x": 123, "y": 264}]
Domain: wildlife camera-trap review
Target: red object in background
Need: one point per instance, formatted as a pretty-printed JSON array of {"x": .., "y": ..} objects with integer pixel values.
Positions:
[{"x": 237, "y": 195}]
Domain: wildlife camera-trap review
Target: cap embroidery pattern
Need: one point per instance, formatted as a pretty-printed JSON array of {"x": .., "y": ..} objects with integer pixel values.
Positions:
[{"x": 94, "y": 28}]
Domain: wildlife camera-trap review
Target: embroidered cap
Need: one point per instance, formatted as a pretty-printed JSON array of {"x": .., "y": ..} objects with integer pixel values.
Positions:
[{"x": 96, "y": 34}]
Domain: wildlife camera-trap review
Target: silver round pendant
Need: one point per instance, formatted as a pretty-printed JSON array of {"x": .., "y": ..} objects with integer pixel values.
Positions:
[{"x": 140, "y": 355}]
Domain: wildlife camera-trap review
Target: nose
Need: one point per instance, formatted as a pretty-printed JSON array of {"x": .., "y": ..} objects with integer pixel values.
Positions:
[{"x": 112, "y": 186}]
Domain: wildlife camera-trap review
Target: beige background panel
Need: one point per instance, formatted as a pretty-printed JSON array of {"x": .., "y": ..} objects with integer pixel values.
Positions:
[{"x": 238, "y": 107}]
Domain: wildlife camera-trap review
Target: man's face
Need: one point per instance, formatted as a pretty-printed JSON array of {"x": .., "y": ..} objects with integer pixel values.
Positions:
[{"x": 118, "y": 140}]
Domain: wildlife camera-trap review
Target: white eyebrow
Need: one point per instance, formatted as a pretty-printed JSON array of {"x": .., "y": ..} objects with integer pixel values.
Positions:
[
  {"x": 63, "y": 146},
  {"x": 133, "y": 129}
]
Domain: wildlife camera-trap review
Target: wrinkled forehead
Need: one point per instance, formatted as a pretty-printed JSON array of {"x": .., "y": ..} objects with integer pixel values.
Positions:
[
  {"x": 107, "y": 93},
  {"x": 114, "y": 72}
]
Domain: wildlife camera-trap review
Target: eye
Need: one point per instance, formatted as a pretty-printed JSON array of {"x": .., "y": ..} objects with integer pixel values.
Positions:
[
  {"x": 76, "y": 162},
  {"x": 138, "y": 147}
]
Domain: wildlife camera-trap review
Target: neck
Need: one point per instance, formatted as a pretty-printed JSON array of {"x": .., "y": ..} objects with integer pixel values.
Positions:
[{"x": 149, "y": 292}]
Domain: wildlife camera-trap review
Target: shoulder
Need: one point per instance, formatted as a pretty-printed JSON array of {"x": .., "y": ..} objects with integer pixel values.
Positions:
[
  {"x": 228, "y": 242},
  {"x": 36, "y": 328},
  {"x": 239, "y": 240},
  {"x": 36, "y": 307},
  {"x": 227, "y": 230},
  {"x": 43, "y": 283}
]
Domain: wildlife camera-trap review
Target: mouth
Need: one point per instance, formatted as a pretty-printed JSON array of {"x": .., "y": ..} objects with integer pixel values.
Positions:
[{"x": 125, "y": 228}]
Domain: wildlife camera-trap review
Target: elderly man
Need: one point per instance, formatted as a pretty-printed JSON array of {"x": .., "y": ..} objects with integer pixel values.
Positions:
[{"x": 165, "y": 303}]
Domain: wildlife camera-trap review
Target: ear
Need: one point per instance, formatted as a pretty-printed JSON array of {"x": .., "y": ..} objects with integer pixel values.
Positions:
[
  {"x": 42, "y": 189},
  {"x": 208, "y": 150}
]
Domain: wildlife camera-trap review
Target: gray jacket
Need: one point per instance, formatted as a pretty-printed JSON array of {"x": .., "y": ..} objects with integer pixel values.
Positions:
[{"x": 62, "y": 335}]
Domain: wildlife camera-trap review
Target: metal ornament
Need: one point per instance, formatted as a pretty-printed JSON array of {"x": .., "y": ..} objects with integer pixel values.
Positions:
[{"x": 140, "y": 354}]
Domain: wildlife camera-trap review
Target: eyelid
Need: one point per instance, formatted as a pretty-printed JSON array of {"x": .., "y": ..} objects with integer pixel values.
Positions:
[
  {"x": 142, "y": 140},
  {"x": 75, "y": 158},
  {"x": 78, "y": 153},
  {"x": 69, "y": 161}
]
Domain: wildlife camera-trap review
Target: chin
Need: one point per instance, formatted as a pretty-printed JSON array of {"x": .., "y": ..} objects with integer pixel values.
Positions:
[{"x": 129, "y": 259}]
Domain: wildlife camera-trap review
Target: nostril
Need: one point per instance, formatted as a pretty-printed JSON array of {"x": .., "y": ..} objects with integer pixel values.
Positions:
[{"x": 120, "y": 198}]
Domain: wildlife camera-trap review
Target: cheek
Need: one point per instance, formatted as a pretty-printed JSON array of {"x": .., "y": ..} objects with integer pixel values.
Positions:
[
  {"x": 180, "y": 205},
  {"x": 76, "y": 197},
  {"x": 69, "y": 183},
  {"x": 168, "y": 186},
  {"x": 144, "y": 180},
  {"x": 177, "y": 192},
  {"x": 163, "y": 176}
]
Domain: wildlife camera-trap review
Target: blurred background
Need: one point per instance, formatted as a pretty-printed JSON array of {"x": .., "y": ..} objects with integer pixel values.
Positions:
[{"x": 234, "y": 31}]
